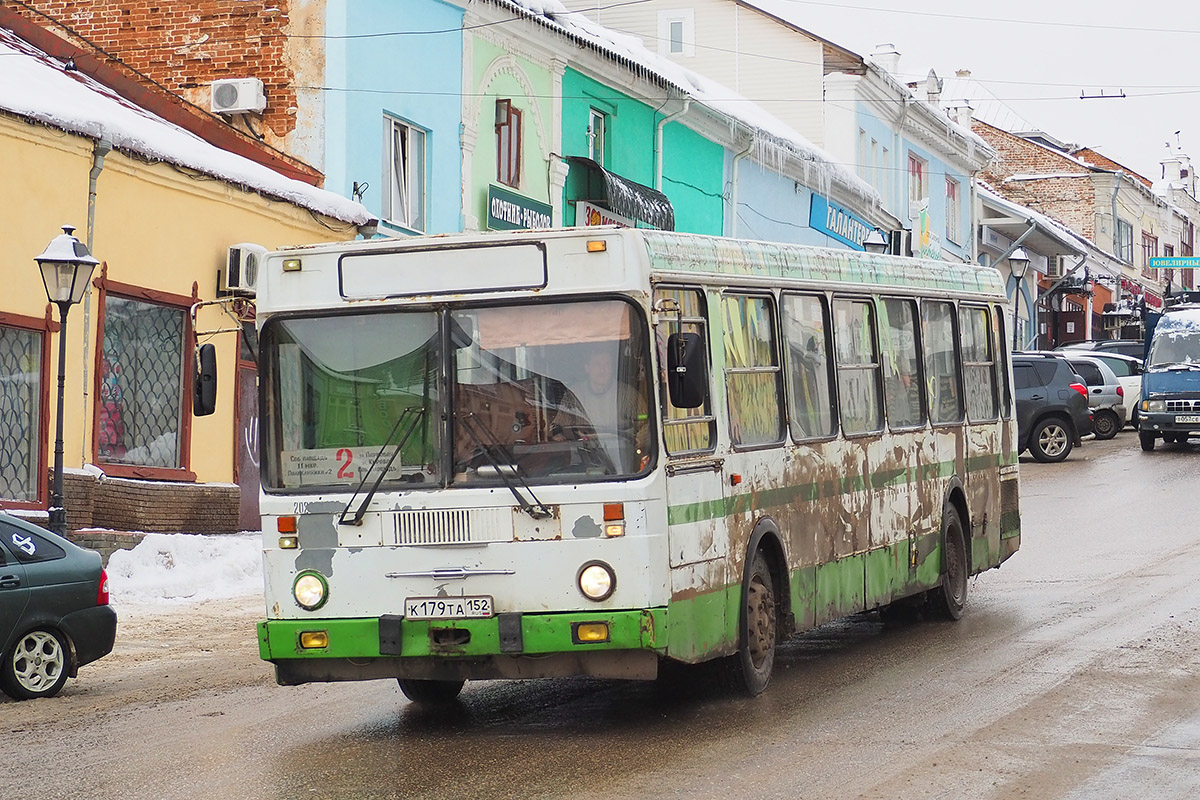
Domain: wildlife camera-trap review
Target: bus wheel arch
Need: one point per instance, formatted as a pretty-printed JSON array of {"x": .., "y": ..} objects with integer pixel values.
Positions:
[
  {"x": 764, "y": 615},
  {"x": 948, "y": 599}
]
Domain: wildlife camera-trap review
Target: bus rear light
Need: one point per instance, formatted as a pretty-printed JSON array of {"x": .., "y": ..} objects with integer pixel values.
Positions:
[
  {"x": 285, "y": 524},
  {"x": 314, "y": 640}
]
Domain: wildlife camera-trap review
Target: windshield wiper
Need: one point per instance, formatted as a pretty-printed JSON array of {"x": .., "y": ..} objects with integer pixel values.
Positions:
[
  {"x": 415, "y": 415},
  {"x": 536, "y": 509}
]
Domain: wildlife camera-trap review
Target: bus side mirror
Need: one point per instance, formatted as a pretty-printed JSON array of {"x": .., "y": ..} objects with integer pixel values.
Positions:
[
  {"x": 204, "y": 387},
  {"x": 687, "y": 376}
]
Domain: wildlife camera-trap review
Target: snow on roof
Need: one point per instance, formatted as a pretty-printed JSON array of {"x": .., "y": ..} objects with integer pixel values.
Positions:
[
  {"x": 783, "y": 139},
  {"x": 1049, "y": 225},
  {"x": 37, "y": 86},
  {"x": 958, "y": 90}
]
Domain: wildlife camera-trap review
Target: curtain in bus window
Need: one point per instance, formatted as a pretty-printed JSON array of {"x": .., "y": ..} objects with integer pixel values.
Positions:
[
  {"x": 901, "y": 365},
  {"x": 751, "y": 370},
  {"x": 858, "y": 366},
  {"x": 805, "y": 322},
  {"x": 941, "y": 362},
  {"x": 684, "y": 429},
  {"x": 978, "y": 363}
]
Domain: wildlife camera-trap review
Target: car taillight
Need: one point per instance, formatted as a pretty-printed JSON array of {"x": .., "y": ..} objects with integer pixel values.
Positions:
[
  {"x": 1079, "y": 387},
  {"x": 1120, "y": 391},
  {"x": 102, "y": 594}
]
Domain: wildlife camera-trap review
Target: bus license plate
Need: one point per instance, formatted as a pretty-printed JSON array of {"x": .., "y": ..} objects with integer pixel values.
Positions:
[
  {"x": 474, "y": 607},
  {"x": 1187, "y": 420}
]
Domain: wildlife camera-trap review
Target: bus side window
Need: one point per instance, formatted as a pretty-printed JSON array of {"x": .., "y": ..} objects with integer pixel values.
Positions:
[
  {"x": 858, "y": 367},
  {"x": 805, "y": 324},
  {"x": 1006, "y": 399},
  {"x": 902, "y": 365},
  {"x": 979, "y": 369},
  {"x": 685, "y": 430},
  {"x": 752, "y": 373},
  {"x": 939, "y": 338}
]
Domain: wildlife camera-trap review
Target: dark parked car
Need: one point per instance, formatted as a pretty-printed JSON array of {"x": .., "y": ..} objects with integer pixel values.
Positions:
[
  {"x": 54, "y": 611},
  {"x": 1126, "y": 347},
  {"x": 1052, "y": 406}
]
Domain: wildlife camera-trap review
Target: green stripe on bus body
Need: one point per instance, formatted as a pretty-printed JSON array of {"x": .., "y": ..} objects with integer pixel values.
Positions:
[
  {"x": 743, "y": 502},
  {"x": 540, "y": 633}
]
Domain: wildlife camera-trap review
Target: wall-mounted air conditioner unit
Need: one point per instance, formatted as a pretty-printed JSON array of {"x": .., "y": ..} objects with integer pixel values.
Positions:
[
  {"x": 239, "y": 276},
  {"x": 238, "y": 96}
]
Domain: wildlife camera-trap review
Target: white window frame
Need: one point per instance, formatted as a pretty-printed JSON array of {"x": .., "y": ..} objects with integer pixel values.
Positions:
[
  {"x": 953, "y": 199},
  {"x": 917, "y": 178},
  {"x": 686, "y": 18},
  {"x": 597, "y": 133},
  {"x": 404, "y": 170}
]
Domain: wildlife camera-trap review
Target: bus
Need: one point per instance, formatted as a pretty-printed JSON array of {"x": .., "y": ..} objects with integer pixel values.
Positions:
[{"x": 565, "y": 452}]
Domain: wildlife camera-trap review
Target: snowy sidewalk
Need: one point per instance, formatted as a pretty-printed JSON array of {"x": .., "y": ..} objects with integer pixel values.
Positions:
[{"x": 184, "y": 569}]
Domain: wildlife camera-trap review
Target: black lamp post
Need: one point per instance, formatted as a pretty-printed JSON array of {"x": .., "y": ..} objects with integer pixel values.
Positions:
[
  {"x": 1018, "y": 262},
  {"x": 875, "y": 242},
  {"x": 66, "y": 268}
]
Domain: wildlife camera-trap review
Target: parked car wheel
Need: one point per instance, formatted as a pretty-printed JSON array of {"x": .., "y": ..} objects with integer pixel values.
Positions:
[
  {"x": 37, "y": 665},
  {"x": 1147, "y": 440},
  {"x": 1106, "y": 424},
  {"x": 1051, "y": 440}
]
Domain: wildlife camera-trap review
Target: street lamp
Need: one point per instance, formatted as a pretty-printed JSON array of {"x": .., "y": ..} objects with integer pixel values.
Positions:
[
  {"x": 66, "y": 268},
  {"x": 1018, "y": 262},
  {"x": 874, "y": 242}
]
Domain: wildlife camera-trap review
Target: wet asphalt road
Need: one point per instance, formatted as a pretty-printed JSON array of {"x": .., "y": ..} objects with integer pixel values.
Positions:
[{"x": 1074, "y": 674}]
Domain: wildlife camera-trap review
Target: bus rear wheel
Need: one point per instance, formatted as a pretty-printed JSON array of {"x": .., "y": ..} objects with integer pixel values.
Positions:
[
  {"x": 749, "y": 671},
  {"x": 426, "y": 692},
  {"x": 950, "y": 598}
]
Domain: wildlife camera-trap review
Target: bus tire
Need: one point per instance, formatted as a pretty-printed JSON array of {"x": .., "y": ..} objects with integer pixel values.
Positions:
[
  {"x": 1147, "y": 440},
  {"x": 427, "y": 692},
  {"x": 950, "y": 597},
  {"x": 749, "y": 671}
]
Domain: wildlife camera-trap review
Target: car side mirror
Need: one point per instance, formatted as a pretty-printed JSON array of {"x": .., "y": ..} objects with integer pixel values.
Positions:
[
  {"x": 204, "y": 387},
  {"x": 687, "y": 370}
]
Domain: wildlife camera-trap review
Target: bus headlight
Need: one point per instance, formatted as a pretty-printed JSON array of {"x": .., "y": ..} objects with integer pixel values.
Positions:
[
  {"x": 310, "y": 590},
  {"x": 1155, "y": 406},
  {"x": 597, "y": 580}
]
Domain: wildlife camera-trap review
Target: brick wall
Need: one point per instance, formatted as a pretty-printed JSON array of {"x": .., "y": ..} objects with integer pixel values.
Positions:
[
  {"x": 184, "y": 46},
  {"x": 155, "y": 507},
  {"x": 105, "y": 542}
]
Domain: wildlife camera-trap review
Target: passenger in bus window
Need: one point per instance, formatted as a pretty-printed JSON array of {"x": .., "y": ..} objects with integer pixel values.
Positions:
[{"x": 603, "y": 405}]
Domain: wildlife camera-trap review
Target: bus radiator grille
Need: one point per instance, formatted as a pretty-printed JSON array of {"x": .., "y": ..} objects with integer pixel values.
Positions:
[{"x": 455, "y": 526}]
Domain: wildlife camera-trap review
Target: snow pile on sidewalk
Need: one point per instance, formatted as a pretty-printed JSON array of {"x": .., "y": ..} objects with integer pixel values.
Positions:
[{"x": 184, "y": 568}]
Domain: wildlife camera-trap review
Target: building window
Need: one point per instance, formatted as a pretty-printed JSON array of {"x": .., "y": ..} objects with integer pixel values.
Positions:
[
  {"x": 1124, "y": 241},
  {"x": 916, "y": 179},
  {"x": 508, "y": 143},
  {"x": 952, "y": 218},
  {"x": 404, "y": 171},
  {"x": 1149, "y": 250},
  {"x": 597, "y": 136},
  {"x": 676, "y": 33},
  {"x": 141, "y": 376},
  {"x": 20, "y": 413}
]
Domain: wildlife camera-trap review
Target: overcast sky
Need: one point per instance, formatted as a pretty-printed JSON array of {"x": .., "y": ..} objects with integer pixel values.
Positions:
[{"x": 1040, "y": 56}]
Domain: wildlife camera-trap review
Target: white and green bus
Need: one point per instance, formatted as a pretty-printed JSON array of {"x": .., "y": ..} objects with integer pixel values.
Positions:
[{"x": 591, "y": 451}]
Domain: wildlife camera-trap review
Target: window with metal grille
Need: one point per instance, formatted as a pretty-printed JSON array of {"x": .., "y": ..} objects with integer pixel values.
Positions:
[
  {"x": 140, "y": 420},
  {"x": 20, "y": 413}
]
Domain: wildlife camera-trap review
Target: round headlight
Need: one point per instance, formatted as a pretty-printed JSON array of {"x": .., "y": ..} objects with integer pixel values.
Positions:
[
  {"x": 310, "y": 590},
  {"x": 597, "y": 581}
]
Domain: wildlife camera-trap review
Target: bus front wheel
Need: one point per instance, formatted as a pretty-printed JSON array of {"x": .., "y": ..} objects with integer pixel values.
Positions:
[
  {"x": 950, "y": 597},
  {"x": 426, "y": 692},
  {"x": 749, "y": 671},
  {"x": 1147, "y": 440}
]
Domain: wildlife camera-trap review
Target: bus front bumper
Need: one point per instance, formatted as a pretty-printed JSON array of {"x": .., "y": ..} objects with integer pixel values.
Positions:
[
  {"x": 612, "y": 644},
  {"x": 1168, "y": 423}
]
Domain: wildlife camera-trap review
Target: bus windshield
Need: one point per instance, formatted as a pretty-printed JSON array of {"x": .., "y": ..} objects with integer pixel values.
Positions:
[{"x": 537, "y": 393}]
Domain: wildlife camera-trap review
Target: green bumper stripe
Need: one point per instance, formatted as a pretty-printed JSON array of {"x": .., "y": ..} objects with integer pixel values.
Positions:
[
  {"x": 810, "y": 492},
  {"x": 540, "y": 633}
]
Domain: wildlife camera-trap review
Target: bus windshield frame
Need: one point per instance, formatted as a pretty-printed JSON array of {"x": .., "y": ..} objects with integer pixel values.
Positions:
[{"x": 485, "y": 394}]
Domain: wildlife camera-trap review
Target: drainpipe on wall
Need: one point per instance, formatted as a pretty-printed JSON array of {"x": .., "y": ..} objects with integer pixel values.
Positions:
[
  {"x": 101, "y": 149},
  {"x": 733, "y": 189},
  {"x": 658, "y": 141},
  {"x": 1116, "y": 189}
]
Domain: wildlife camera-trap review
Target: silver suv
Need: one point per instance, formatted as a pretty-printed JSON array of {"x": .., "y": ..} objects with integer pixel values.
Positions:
[{"x": 1106, "y": 396}]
